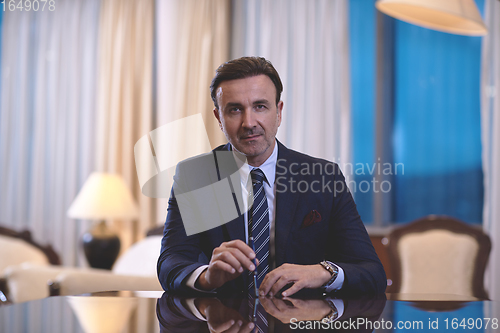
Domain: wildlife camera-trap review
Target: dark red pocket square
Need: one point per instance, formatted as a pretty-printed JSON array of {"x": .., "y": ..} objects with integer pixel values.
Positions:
[{"x": 311, "y": 218}]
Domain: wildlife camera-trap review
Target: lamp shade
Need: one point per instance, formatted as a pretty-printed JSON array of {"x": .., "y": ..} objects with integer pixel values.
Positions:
[
  {"x": 104, "y": 196},
  {"x": 102, "y": 314},
  {"x": 453, "y": 16}
]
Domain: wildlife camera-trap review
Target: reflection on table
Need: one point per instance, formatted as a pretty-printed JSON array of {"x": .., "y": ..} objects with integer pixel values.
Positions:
[
  {"x": 205, "y": 314},
  {"x": 381, "y": 313},
  {"x": 128, "y": 312},
  {"x": 106, "y": 312}
]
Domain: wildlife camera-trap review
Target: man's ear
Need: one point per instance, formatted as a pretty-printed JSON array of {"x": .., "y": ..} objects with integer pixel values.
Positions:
[
  {"x": 216, "y": 114},
  {"x": 279, "y": 108}
]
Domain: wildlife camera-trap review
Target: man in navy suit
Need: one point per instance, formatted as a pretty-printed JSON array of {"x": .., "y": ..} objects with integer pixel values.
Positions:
[{"x": 314, "y": 235}]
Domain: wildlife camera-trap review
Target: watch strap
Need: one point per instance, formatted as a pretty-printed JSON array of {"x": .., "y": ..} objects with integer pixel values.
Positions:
[{"x": 332, "y": 269}]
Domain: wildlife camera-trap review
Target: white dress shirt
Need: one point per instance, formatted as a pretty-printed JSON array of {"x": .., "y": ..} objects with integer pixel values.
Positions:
[
  {"x": 337, "y": 303},
  {"x": 269, "y": 170}
]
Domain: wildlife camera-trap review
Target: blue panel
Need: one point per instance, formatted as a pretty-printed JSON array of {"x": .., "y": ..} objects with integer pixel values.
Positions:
[
  {"x": 437, "y": 132},
  {"x": 362, "y": 33},
  {"x": 410, "y": 318}
]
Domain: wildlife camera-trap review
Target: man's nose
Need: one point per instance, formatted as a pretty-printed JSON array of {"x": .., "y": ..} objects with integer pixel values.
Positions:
[{"x": 249, "y": 119}]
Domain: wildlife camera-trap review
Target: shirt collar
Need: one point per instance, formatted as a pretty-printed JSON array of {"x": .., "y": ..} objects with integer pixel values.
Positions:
[{"x": 268, "y": 167}]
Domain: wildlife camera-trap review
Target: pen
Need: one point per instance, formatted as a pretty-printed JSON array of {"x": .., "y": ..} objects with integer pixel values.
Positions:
[
  {"x": 252, "y": 245},
  {"x": 253, "y": 316}
]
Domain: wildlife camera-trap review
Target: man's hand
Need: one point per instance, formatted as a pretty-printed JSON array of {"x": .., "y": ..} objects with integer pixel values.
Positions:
[
  {"x": 228, "y": 261},
  {"x": 220, "y": 318},
  {"x": 302, "y": 276},
  {"x": 303, "y": 310}
]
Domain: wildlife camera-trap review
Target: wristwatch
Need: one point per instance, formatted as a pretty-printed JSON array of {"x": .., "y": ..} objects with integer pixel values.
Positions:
[
  {"x": 334, "y": 314},
  {"x": 334, "y": 271}
]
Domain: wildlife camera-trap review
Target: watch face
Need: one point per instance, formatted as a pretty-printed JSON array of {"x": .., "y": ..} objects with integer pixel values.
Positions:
[{"x": 327, "y": 266}]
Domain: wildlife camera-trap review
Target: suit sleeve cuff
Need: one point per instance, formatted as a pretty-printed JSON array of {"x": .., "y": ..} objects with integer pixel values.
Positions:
[
  {"x": 338, "y": 282},
  {"x": 194, "y": 276},
  {"x": 194, "y": 310}
]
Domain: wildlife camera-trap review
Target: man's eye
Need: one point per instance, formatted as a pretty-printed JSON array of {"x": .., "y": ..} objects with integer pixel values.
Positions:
[
  {"x": 261, "y": 106},
  {"x": 234, "y": 110}
]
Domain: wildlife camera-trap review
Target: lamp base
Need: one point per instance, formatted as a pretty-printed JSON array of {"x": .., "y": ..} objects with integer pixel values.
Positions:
[{"x": 101, "y": 246}]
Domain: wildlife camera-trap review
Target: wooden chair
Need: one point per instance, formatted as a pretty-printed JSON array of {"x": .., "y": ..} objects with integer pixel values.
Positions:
[
  {"x": 18, "y": 248},
  {"x": 134, "y": 270},
  {"x": 25, "y": 247},
  {"x": 438, "y": 255},
  {"x": 158, "y": 231}
]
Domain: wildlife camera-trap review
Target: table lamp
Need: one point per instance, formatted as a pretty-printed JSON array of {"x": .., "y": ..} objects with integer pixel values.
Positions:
[
  {"x": 459, "y": 17},
  {"x": 101, "y": 314},
  {"x": 103, "y": 197}
]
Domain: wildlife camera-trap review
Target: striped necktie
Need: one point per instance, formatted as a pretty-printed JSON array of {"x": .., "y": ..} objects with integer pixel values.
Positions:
[
  {"x": 258, "y": 225},
  {"x": 258, "y": 316}
]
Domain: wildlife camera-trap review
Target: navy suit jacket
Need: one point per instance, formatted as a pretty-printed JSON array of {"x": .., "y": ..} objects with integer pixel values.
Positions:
[{"x": 339, "y": 237}]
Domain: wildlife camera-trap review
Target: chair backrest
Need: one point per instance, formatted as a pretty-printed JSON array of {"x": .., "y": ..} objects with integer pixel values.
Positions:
[
  {"x": 439, "y": 255},
  {"x": 19, "y": 247},
  {"x": 158, "y": 230}
]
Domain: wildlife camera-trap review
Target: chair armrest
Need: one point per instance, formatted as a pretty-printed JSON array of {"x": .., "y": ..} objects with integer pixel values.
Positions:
[
  {"x": 27, "y": 282},
  {"x": 95, "y": 280}
]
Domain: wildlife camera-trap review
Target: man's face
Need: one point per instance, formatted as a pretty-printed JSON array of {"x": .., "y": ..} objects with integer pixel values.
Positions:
[{"x": 249, "y": 116}]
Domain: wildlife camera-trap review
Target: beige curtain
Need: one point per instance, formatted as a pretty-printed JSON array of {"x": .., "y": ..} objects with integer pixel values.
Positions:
[
  {"x": 47, "y": 112},
  {"x": 47, "y": 135},
  {"x": 124, "y": 99},
  {"x": 192, "y": 38},
  {"x": 308, "y": 43}
]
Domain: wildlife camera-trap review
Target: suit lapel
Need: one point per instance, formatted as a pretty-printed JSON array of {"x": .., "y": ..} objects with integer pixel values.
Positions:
[{"x": 286, "y": 204}]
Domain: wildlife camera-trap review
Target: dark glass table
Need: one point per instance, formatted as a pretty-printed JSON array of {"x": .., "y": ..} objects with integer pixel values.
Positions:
[
  {"x": 106, "y": 312},
  {"x": 382, "y": 313},
  {"x": 160, "y": 312}
]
